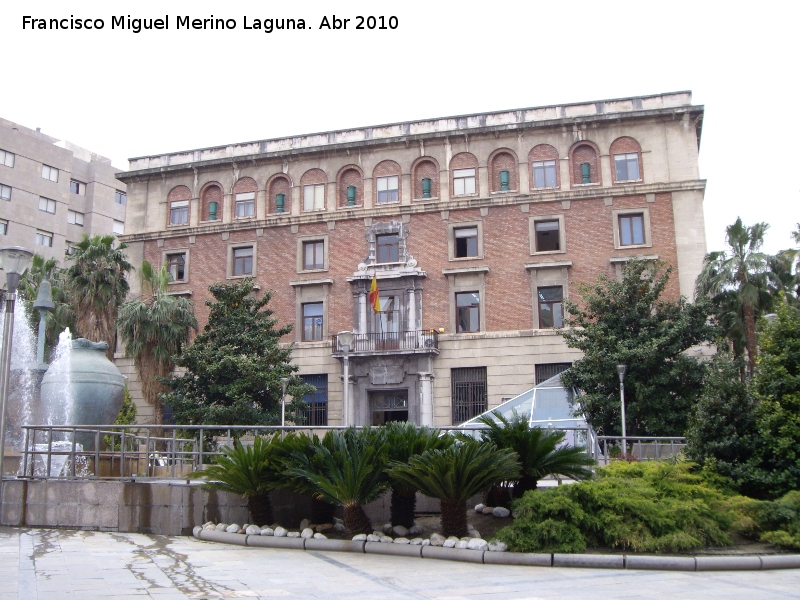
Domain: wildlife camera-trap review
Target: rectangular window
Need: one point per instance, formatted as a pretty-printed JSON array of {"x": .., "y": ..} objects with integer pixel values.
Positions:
[
  {"x": 246, "y": 205},
  {"x": 5, "y": 192},
  {"x": 548, "y": 370},
  {"x": 468, "y": 317},
  {"x": 388, "y": 189},
  {"x": 466, "y": 242},
  {"x": 312, "y": 322},
  {"x": 463, "y": 182},
  {"x": 314, "y": 255},
  {"x": 50, "y": 173},
  {"x": 44, "y": 238},
  {"x": 315, "y": 413},
  {"x": 77, "y": 187},
  {"x": 551, "y": 307},
  {"x": 70, "y": 248},
  {"x": 631, "y": 229},
  {"x": 179, "y": 213},
  {"x": 544, "y": 174},
  {"x": 118, "y": 227},
  {"x": 176, "y": 264},
  {"x": 314, "y": 197},
  {"x": 47, "y": 205},
  {"x": 548, "y": 236},
  {"x": 627, "y": 166},
  {"x": 243, "y": 261},
  {"x": 3, "y": 227},
  {"x": 387, "y": 320},
  {"x": 7, "y": 158},
  {"x": 74, "y": 218},
  {"x": 388, "y": 248},
  {"x": 469, "y": 393},
  {"x": 120, "y": 197}
]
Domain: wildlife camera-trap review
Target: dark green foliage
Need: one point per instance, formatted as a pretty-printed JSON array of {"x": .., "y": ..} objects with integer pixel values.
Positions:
[
  {"x": 404, "y": 440},
  {"x": 250, "y": 471},
  {"x": 628, "y": 323},
  {"x": 456, "y": 473},
  {"x": 644, "y": 507},
  {"x": 540, "y": 451},
  {"x": 233, "y": 368},
  {"x": 780, "y": 521},
  {"x": 722, "y": 429},
  {"x": 345, "y": 468}
]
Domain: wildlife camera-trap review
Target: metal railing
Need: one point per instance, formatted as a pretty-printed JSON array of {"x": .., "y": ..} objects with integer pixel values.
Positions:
[
  {"x": 173, "y": 452},
  {"x": 398, "y": 341}
]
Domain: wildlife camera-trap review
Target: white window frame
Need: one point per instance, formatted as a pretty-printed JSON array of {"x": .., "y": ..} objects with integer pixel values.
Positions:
[
  {"x": 50, "y": 173},
  {"x": 44, "y": 238},
  {"x": 247, "y": 202},
  {"x": 46, "y": 204},
  {"x": 313, "y": 197},
  {"x": 384, "y": 185},
  {"x": 544, "y": 164},
  {"x": 75, "y": 218},
  {"x": 7, "y": 158},
  {"x": 5, "y": 192},
  {"x": 627, "y": 156},
  {"x": 118, "y": 227},
  {"x": 81, "y": 187},
  {"x": 3, "y": 227},
  {"x": 176, "y": 205},
  {"x": 465, "y": 181}
]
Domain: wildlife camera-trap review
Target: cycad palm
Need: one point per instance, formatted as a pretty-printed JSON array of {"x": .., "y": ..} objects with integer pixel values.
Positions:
[
  {"x": 739, "y": 280},
  {"x": 538, "y": 450},
  {"x": 97, "y": 286},
  {"x": 454, "y": 475},
  {"x": 154, "y": 328},
  {"x": 251, "y": 471},
  {"x": 403, "y": 441},
  {"x": 347, "y": 469}
]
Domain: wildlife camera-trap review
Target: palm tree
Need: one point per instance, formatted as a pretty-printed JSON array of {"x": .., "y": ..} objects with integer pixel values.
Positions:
[
  {"x": 97, "y": 287},
  {"x": 62, "y": 315},
  {"x": 403, "y": 441},
  {"x": 455, "y": 474},
  {"x": 739, "y": 280},
  {"x": 541, "y": 452},
  {"x": 348, "y": 470},
  {"x": 155, "y": 328},
  {"x": 251, "y": 471}
]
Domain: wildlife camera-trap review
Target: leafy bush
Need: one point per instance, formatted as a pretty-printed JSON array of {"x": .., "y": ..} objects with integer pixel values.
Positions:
[
  {"x": 781, "y": 520},
  {"x": 645, "y": 507}
]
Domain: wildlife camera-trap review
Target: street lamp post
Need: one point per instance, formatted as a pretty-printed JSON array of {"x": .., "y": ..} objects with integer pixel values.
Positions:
[
  {"x": 284, "y": 382},
  {"x": 14, "y": 262},
  {"x": 621, "y": 369},
  {"x": 346, "y": 342}
]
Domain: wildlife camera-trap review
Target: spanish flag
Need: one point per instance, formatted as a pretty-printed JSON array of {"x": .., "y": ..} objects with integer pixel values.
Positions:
[{"x": 374, "y": 297}]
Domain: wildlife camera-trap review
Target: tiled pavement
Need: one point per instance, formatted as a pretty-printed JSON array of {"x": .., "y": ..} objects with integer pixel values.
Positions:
[{"x": 54, "y": 564}]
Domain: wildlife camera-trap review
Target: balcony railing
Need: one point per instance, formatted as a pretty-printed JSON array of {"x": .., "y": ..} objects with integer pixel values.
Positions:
[{"x": 420, "y": 341}]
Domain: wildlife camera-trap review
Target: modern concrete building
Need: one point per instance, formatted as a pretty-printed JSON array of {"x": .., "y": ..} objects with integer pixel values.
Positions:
[
  {"x": 52, "y": 192},
  {"x": 475, "y": 229}
]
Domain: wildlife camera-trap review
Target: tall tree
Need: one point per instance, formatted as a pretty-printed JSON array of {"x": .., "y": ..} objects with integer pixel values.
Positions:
[
  {"x": 627, "y": 322},
  {"x": 233, "y": 368},
  {"x": 97, "y": 286},
  {"x": 738, "y": 282},
  {"x": 62, "y": 315},
  {"x": 155, "y": 328}
]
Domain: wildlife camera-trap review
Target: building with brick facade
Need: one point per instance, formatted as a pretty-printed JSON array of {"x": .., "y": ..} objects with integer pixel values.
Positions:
[
  {"x": 475, "y": 229},
  {"x": 52, "y": 192}
]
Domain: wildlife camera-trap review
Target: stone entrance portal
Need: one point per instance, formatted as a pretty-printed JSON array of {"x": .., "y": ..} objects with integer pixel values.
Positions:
[{"x": 388, "y": 405}]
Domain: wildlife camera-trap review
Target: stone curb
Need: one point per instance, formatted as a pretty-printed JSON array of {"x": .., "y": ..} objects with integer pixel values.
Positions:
[{"x": 588, "y": 561}]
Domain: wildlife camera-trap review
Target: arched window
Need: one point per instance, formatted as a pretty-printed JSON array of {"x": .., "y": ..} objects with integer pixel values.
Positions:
[
  {"x": 503, "y": 175},
  {"x": 211, "y": 205},
  {"x": 178, "y": 202},
  {"x": 386, "y": 181},
  {"x": 279, "y": 194},
  {"x": 244, "y": 198},
  {"x": 350, "y": 185},
  {"x": 313, "y": 189},
  {"x": 627, "y": 156},
  {"x": 584, "y": 164},
  {"x": 543, "y": 160},
  {"x": 464, "y": 175},
  {"x": 425, "y": 176}
]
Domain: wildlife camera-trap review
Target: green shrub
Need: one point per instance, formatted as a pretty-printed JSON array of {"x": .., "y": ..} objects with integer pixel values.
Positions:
[
  {"x": 780, "y": 521},
  {"x": 644, "y": 507}
]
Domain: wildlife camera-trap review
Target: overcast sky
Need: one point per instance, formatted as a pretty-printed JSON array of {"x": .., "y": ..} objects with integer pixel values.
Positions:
[{"x": 123, "y": 94}]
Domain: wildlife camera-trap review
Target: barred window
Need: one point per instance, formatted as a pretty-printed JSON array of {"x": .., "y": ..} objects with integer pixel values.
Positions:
[
  {"x": 548, "y": 370},
  {"x": 468, "y": 393},
  {"x": 315, "y": 413}
]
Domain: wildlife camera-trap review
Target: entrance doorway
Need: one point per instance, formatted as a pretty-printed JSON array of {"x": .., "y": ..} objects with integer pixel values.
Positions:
[{"x": 389, "y": 405}]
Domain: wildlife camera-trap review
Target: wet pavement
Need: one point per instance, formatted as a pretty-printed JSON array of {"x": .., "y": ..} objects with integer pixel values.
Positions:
[{"x": 53, "y": 564}]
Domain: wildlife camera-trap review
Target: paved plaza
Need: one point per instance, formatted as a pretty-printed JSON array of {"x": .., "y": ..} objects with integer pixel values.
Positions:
[{"x": 54, "y": 564}]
